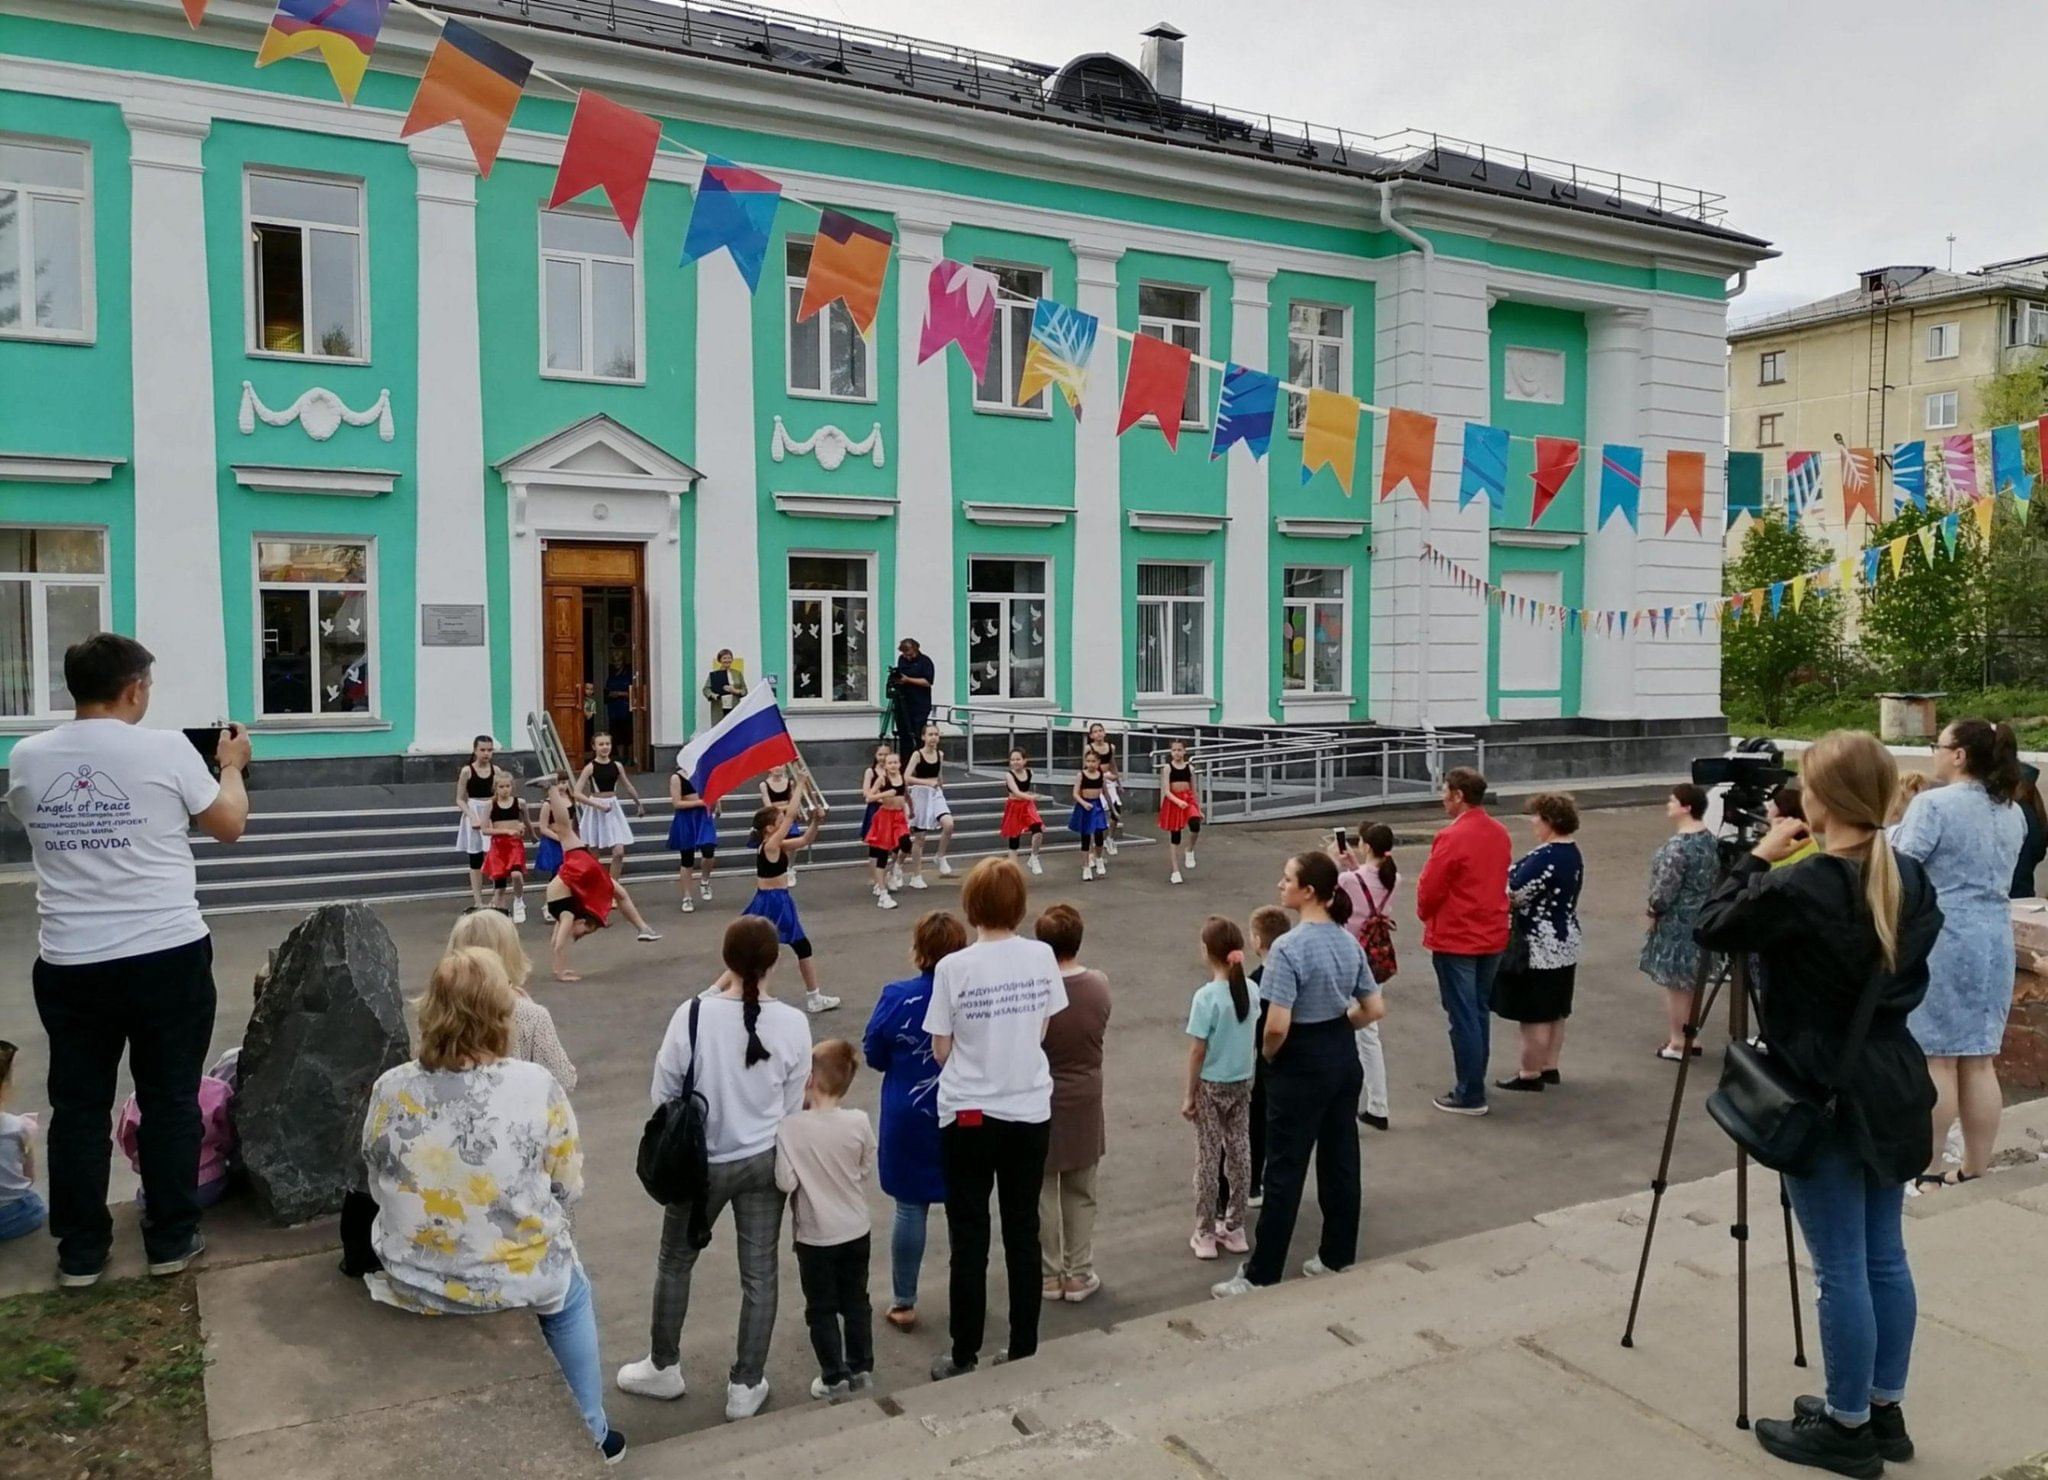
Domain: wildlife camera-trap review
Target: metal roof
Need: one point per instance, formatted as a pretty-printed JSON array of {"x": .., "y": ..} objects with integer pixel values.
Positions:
[
  {"x": 755, "y": 36},
  {"x": 2027, "y": 276}
]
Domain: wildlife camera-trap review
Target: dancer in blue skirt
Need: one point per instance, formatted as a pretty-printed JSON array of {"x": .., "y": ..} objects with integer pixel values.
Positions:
[
  {"x": 693, "y": 833},
  {"x": 772, "y": 901},
  {"x": 1090, "y": 819}
]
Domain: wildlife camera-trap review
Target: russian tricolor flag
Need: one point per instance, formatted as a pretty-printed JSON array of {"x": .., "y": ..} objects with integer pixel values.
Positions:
[{"x": 747, "y": 742}]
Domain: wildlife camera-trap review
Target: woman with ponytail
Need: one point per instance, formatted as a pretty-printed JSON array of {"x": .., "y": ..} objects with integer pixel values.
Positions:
[
  {"x": 1221, "y": 1053},
  {"x": 751, "y": 1055},
  {"x": 1846, "y": 934},
  {"x": 1968, "y": 832}
]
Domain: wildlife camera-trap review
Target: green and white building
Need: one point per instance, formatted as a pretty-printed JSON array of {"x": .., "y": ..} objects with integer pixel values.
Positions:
[{"x": 376, "y": 454}]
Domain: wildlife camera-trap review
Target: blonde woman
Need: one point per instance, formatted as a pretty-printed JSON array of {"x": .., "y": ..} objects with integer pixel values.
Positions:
[
  {"x": 474, "y": 1164},
  {"x": 1845, "y": 934},
  {"x": 533, "y": 1026}
]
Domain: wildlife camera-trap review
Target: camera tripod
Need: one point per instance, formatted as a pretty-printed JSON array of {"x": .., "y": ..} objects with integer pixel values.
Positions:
[{"x": 1732, "y": 971}]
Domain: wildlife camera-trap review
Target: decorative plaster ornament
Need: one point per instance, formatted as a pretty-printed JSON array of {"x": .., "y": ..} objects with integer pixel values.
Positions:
[
  {"x": 319, "y": 413},
  {"x": 828, "y": 444}
]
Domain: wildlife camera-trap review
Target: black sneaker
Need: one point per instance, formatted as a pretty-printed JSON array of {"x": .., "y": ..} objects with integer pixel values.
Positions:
[
  {"x": 1377, "y": 1122},
  {"x": 612, "y": 1446},
  {"x": 1887, "y": 1422},
  {"x": 79, "y": 1279},
  {"x": 943, "y": 1367},
  {"x": 1523, "y": 1086},
  {"x": 1551, "y": 1076},
  {"x": 178, "y": 1263},
  {"x": 1812, "y": 1438},
  {"x": 1452, "y": 1105}
]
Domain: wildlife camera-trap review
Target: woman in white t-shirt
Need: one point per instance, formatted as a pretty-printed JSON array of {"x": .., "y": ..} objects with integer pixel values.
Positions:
[
  {"x": 752, "y": 1055},
  {"x": 989, "y": 1008}
]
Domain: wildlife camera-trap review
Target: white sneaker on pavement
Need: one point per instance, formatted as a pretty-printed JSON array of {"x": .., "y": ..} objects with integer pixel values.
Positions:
[
  {"x": 689, "y": 905},
  {"x": 917, "y": 882},
  {"x": 1313, "y": 1266},
  {"x": 1036, "y": 866},
  {"x": 1110, "y": 844},
  {"x": 649, "y": 1381},
  {"x": 703, "y": 890},
  {"x": 646, "y": 934},
  {"x": 945, "y": 868},
  {"x": 823, "y": 1389},
  {"x": 1174, "y": 877},
  {"x": 744, "y": 1402},
  {"x": 518, "y": 912},
  {"x": 1237, "y": 1284},
  {"x": 883, "y": 901},
  {"x": 818, "y": 1002}
]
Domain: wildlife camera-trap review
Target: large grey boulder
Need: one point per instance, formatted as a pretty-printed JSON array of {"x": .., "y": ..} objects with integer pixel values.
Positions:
[{"x": 330, "y": 1020}]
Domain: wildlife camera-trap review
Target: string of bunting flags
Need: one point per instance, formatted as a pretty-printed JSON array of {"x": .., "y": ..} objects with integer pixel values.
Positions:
[{"x": 1954, "y": 465}]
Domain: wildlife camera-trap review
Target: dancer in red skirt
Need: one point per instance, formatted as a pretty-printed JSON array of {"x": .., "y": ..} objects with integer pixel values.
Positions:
[
  {"x": 1180, "y": 808},
  {"x": 505, "y": 829},
  {"x": 888, "y": 835},
  {"x": 1020, "y": 809},
  {"x": 582, "y": 894}
]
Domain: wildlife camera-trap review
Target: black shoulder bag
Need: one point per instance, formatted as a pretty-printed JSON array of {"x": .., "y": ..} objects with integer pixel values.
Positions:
[
  {"x": 673, "y": 1164},
  {"x": 1781, "y": 1120}
]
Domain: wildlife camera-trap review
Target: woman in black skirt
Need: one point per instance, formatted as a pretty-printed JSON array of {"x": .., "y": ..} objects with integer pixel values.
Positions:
[{"x": 1543, "y": 892}]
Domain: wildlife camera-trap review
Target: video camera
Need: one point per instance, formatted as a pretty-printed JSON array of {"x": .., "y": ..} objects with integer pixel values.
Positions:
[{"x": 1743, "y": 780}]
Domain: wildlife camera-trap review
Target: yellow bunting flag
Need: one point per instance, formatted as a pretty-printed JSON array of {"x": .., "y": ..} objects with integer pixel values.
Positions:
[
  {"x": 1927, "y": 545},
  {"x": 1798, "y": 592},
  {"x": 1898, "y": 552},
  {"x": 1330, "y": 437},
  {"x": 1845, "y": 575},
  {"x": 1981, "y": 512}
]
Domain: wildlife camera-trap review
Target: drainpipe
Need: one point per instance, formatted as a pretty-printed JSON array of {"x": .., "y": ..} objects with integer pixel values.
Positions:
[
  {"x": 1389, "y": 222},
  {"x": 1741, "y": 285}
]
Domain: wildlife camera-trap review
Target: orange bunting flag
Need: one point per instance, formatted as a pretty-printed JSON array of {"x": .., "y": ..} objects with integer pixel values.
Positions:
[
  {"x": 1155, "y": 385},
  {"x": 1981, "y": 511},
  {"x": 1859, "y": 484},
  {"x": 849, "y": 260},
  {"x": 1411, "y": 448},
  {"x": 609, "y": 146},
  {"x": 473, "y": 81},
  {"x": 1330, "y": 439},
  {"x": 1685, "y": 490},
  {"x": 195, "y": 12},
  {"x": 1556, "y": 460},
  {"x": 1897, "y": 548}
]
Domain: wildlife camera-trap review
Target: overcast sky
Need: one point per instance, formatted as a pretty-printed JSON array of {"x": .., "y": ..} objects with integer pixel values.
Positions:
[{"x": 1850, "y": 135}]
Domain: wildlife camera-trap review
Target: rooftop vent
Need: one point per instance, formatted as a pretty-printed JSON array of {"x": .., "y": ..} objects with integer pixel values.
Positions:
[
  {"x": 1159, "y": 58},
  {"x": 1102, "y": 81}
]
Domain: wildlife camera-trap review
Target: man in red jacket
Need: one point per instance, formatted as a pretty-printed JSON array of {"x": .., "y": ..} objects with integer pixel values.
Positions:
[{"x": 1462, "y": 898}]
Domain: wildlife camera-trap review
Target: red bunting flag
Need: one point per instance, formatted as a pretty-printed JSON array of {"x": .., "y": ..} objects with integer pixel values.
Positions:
[
  {"x": 195, "y": 12},
  {"x": 849, "y": 260},
  {"x": 1685, "y": 490},
  {"x": 610, "y": 146},
  {"x": 1556, "y": 459},
  {"x": 1411, "y": 448},
  {"x": 1155, "y": 385}
]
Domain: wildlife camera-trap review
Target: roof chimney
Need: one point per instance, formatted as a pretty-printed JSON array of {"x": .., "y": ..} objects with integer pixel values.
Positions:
[{"x": 1159, "y": 59}]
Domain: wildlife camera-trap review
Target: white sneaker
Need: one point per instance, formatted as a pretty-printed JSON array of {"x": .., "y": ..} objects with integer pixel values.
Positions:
[
  {"x": 1111, "y": 845},
  {"x": 1237, "y": 1284},
  {"x": 744, "y": 1402},
  {"x": 883, "y": 901},
  {"x": 818, "y": 1002},
  {"x": 1101, "y": 868},
  {"x": 1313, "y": 1266},
  {"x": 917, "y": 882},
  {"x": 518, "y": 912},
  {"x": 1174, "y": 877},
  {"x": 646, "y": 934},
  {"x": 823, "y": 1389},
  {"x": 895, "y": 876},
  {"x": 1087, "y": 873},
  {"x": 689, "y": 905},
  {"x": 649, "y": 1381},
  {"x": 703, "y": 890},
  {"x": 1187, "y": 861},
  {"x": 945, "y": 868},
  {"x": 1036, "y": 866}
]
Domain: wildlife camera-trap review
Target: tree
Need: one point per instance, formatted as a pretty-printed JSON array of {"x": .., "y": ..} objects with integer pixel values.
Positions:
[
  {"x": 1764, "y": 657},
  {"x": 2018, "y": 394},
  {"x": 1923, "y": 625}
]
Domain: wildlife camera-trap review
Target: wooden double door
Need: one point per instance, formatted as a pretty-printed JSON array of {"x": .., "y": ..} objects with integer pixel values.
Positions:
[{"x": 594, "y": 667}]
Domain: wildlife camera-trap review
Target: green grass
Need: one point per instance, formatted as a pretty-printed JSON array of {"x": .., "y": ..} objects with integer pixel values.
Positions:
[{"x": 1813, "y": 714}]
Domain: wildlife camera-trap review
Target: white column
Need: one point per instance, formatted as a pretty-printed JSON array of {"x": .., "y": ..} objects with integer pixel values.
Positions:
[
  {"x": 1098, "y": 577},
  {"x": 924, "y": 464},
  {"x": 451, "y": 685},
  {"x": 1614, "y": 353},
  {"x": 727, "y": 501},
  {"x": 1247, "y": 607},
  {"x": 177, "y": 498}
]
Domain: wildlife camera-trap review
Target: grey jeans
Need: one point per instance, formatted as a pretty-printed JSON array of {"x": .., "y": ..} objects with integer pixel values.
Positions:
[{"x": 749, "y": 1186}]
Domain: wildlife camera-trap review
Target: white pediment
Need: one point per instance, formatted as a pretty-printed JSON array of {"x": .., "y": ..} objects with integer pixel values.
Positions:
[{"x": 598, "y": 452}]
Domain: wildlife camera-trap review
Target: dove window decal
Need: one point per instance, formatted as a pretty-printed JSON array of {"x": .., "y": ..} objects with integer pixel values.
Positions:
[
  {"x": 318, "y": 627},
  {"x": 1173, "y": 628},
  {"x": 828, "y": 605},
  {"x": 1006, "y": 617}
]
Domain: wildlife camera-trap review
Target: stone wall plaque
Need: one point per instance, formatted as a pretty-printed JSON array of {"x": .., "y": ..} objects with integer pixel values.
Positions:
[
  {"x": 451, "y": 626},
  {"x": 1532, "y": 375}
]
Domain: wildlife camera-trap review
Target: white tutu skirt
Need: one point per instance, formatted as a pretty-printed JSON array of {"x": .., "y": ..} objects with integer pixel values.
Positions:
[
  {"x": 468, "y": 835},
  {"x": 927, "y": 805},
  {"x": 604, "y": 829}
]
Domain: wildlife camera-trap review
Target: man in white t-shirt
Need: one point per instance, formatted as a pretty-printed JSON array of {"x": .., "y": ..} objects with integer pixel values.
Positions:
[
  {"x": 124, "y": 960},
  {"x": 989, "y": 1008}
]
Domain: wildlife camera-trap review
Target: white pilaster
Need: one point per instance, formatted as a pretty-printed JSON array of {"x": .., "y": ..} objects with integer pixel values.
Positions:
[
  {"x": 1098, "y": 688},
  {"x": 451, "y": 685},
  {"x": 1247, "y": 604},
  {"x": 924, "y": 464},
  {"x": 1614, "y": 413},
  {"x": 177, "y": 499},
  {"x": 727, "y": 501}
]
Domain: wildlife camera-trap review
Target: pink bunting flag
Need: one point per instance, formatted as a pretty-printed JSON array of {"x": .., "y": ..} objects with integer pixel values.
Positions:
[
  {"x": 1959, "y": 466},
  {"x": 960, "y": 308}
]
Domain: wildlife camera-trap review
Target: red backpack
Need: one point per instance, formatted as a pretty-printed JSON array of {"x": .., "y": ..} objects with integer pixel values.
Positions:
[{"x": 1376, "y": 935}]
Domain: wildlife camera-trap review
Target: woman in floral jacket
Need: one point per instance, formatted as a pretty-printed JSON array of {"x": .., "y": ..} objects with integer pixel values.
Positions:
[{"x": 1681, "y": 877}]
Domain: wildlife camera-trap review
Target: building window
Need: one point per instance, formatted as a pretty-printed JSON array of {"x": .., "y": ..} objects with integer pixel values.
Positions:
[
  {"x": 1175, "y": 315},
  {"x": 45, "y": 261},
  {"x": 1774, "y": 490},
  {"x": 829, "y": 629},
  {"x": 1941, "y": 410},
  {"x": 997, "y": 388},
  {"x": 828, "y": 357},
  {"x": 1317, "y": 337},
  {"x": 53, "y": 592},
  {"x": 1006, "y": 629},
  {"x": 1173, "y": 631},
  {"x": 306, "y": 266},
  {"x": 1767, "y": 434},
  {"x": 1312, "y": 631},
  {"x": 314, "y": 623},
  {"x": 1944, "y": 341},
  {"x": 590, "y": 297},
  {"x": 2026, "y": 323},
  {"x": 1771, "y": 367}
]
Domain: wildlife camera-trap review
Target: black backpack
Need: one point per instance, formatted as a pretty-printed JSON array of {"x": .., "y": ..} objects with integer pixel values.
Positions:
[{"x": 673, "y": 1164}]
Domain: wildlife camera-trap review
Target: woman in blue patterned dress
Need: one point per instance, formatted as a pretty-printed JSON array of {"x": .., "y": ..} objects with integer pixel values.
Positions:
[
  {"x": 1967, "y": 833},
  {"x": 1681, "y": 877},
  {"x": 1543, "y": 895}
]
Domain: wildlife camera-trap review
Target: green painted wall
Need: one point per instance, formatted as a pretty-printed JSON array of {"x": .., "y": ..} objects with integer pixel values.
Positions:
[
  {"x": 75, "y": 399},
  {"x": 1534, "y": 326},
  {"x": 522, "y": 407}
]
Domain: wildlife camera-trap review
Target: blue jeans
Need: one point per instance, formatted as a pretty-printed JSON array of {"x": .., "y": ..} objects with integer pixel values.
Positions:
[
  {"x": 1853, "y": 1227},
  {"x": 571, "y": 1334},
  {"x": 906, "y": 1253},
  {"x": 21, "y": 1217},
  {"x": 1465, "y": 986}
]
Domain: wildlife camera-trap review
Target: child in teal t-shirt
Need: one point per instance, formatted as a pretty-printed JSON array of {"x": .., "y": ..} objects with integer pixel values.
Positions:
[{"x": 1222, "y": 1049}]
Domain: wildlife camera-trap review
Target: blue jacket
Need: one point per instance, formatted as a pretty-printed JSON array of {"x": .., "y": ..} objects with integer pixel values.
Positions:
[{"x": 898, "y": 1047}]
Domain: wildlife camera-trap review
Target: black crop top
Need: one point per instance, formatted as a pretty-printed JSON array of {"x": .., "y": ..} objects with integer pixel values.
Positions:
[
  {"x": 1180, "y": 775},
  {"x": 478, "y": 787},
  {"x": 776, "y": 796},
  {"x": 503, "y": 812},
  {"x": 683, "y": 784},
  {"x": 1103, "y": 753},
  {"x": 917, "y": 767},
  {"x": 1019, "y": 783},
  {"x": 1088, "y": 786},
  {"x": 770, "y": 868},
  {"x": 604, "y": 775}
]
